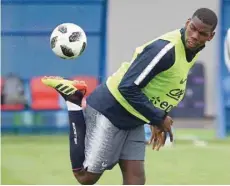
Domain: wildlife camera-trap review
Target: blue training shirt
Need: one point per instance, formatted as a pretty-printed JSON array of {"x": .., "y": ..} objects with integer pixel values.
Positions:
[{"x": 103, "y": 101}]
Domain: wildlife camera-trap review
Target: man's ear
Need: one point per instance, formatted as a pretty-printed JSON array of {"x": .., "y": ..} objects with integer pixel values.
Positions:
[
  {"x": 187, "y": 22},
  {"x": 212, "y": 35}
]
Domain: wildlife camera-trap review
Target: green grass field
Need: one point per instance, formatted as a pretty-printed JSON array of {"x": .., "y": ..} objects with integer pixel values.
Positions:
[{"x": 45, "y": 160}]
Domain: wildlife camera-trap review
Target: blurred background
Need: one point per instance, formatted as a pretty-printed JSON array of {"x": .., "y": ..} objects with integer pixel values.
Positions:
[{"x": 34, "y": 122}]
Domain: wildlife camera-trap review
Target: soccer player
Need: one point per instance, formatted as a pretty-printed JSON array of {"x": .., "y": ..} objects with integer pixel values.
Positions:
[{"x": 110, "y": 129}]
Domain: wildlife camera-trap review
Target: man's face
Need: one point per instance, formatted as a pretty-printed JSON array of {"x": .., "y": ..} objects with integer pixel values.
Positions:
[{"x": 197, "y": 33}]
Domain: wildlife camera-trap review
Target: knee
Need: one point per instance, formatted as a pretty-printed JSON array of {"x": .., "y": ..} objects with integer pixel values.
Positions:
[
  {"x": 141, "y": 180},
  {"x": 87, "y": 181},
  {"x": 134, "y": 178},
  {"x": 87, "y": 178}
]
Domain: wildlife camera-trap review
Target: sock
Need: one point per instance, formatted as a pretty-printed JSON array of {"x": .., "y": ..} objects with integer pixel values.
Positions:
[
  {"x": 76, "y": 98},
  {"x": 76, "y": 136}
]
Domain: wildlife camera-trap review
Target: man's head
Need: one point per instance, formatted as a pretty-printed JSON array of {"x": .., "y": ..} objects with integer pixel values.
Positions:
[{"x": 200, "y": 28}]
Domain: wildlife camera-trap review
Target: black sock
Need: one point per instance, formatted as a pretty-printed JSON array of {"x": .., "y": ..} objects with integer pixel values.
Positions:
[
  {"x": 75, "y": 98},
  {"x": 76, "y": 136}
]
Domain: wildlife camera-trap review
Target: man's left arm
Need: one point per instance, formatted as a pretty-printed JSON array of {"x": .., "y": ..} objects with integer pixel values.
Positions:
[{"x": 154, "y": 59}]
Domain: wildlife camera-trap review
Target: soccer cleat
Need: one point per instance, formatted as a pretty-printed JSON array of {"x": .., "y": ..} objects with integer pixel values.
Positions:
[{"x": 70, "y": 90}]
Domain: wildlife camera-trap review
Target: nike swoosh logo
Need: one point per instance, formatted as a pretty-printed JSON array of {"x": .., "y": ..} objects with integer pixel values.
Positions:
[{"x": 183, "y": 81}]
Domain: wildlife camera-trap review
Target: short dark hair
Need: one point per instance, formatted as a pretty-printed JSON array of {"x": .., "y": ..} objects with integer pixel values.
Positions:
[{"x": 207, "y": 16}]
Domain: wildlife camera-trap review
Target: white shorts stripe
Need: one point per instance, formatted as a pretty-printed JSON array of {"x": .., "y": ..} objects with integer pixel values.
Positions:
[{"x": 151, "y": 65}]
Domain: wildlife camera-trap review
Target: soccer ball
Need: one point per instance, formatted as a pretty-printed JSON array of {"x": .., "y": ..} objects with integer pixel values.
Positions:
[{"x": 68, "y": 41}]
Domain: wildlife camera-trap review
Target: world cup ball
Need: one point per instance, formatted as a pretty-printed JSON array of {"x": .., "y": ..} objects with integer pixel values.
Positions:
[{"x": 68, "y": 41}]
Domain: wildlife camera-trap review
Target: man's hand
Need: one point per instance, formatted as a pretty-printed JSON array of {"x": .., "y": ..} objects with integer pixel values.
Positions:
[{"x": 159, "y": 133}]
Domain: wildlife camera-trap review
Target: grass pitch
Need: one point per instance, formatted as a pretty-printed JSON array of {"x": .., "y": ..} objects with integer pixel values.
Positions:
[{"x": 45, "y": 160}]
